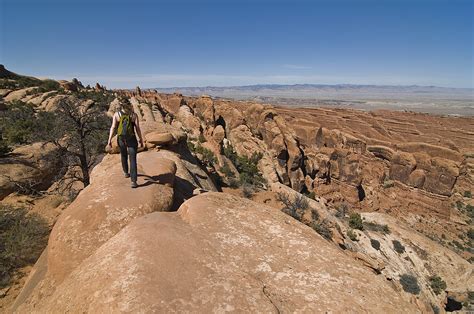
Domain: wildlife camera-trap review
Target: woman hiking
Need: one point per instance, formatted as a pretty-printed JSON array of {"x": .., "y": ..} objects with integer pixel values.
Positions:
[{"x": 127, "y": 122}]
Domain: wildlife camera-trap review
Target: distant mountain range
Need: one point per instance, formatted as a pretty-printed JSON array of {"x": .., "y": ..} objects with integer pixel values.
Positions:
[
  {"x": 323, "y": 91},
  {"x": 432, "y": 99}
]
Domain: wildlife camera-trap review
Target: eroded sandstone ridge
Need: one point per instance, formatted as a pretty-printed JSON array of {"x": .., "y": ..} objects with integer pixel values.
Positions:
[
  {"x": 116, "y": 250},
  {"x": 119, "y": 249}
]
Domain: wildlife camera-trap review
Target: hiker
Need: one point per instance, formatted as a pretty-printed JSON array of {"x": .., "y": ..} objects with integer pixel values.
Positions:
[{"x": 127, "y": 121}]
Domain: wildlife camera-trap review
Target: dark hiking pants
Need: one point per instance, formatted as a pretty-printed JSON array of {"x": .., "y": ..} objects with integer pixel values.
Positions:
[{"x": 128, "y": 149}]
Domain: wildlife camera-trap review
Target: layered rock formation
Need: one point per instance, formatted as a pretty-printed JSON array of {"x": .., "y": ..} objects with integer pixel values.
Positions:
[{"x": 117, "y": 249}]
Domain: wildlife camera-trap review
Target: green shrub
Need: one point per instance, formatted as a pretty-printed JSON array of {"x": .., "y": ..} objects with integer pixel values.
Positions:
[
  {"x": 470, "y": 234},
  {"x": 375, "y": 244},
  {"x": 410, "y": 284},
  {"x": 355, "y": 221},
  {"x": 468, "y": 194},
  {"x": 227, "y": 171},
  {"x": 352, "y": 235},
  {"x": 201, "y": 138},
  {"x": 4, "y": 148},
  {"x": 388, "y": 184},
  {"x": 376, "y": 227},
  {"x": 437, "y": 284},
  {"x": 459, "y": 205},
  {"x": 398, "y": 247},
  {"x": 311, "y": 195},
  {"x": 246, "y": 166},
  {"x": 23, "y": 237},
  {"x": 470, "y": 211},
  {"x": 17, "y": 123},
  {"x": 341, "y": 210},
  {"x": 207, "y": 156},
  {"x": 191, "y": 146}
]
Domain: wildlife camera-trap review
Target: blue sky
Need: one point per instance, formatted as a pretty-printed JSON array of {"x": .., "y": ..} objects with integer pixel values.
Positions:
[{"x": 199, "y": 43}]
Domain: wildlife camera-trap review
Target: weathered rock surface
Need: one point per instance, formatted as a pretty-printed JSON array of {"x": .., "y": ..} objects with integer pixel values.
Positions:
[
  {"x": 219, "y": 253},
  {"x": 100, "y": 211}
]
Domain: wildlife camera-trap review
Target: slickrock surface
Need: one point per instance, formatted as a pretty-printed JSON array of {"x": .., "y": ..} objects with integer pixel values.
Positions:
[{"x": 217, "y": 253}]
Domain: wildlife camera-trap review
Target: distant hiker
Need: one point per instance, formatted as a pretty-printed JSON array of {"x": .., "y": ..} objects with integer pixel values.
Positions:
[{"x": 127, "y": 121}]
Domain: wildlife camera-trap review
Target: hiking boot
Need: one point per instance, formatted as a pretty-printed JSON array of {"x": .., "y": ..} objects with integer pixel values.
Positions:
[
  {"x": 134, "y": 185},
  {"x": 126, "y": 175}
]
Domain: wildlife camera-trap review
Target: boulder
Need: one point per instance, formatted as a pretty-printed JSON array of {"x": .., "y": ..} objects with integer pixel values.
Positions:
[
  {"x": 218, "y": 134},
  {"x": 159, "y": 138},
  {"x": 417, "y": 178}
]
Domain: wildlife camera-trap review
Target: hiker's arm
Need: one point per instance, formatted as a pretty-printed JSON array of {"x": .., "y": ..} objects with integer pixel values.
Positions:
[
  {"x": 112, "y": 129},
  {"x": 137, "y": 128}
]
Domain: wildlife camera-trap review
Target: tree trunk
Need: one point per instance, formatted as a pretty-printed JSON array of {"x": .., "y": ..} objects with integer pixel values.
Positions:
[{"x": 84, "y": 165}]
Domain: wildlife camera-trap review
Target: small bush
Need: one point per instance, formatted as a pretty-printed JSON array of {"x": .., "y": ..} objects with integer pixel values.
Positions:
[
  {"x": 201, "y": 138},
  {"x": 435, "y": 308},
  {"x": 437, "y": 284},
  {"x": 248, "y": 191},
  {"x": 311, "y": 195},
  {"x": 234, "y": 183},
  {"x": 376, "y": 227},
  {"x": 468, "y": 194},
  {"x": 459, "y": 205},
  {"x": 352, "y": 235},
  {"x": 17, "y": 123},
  {"x": 470, "y": 234},
  {"x": 246, "y": 166},
  {"x": 227, "y": 171},
  {"x": 355, "y": 221},
  {"x": 4, "y": 148},
  {"x": 23, "y": 237},
  {"x": 470, "y": 211},
  {"x": 375, "y": 244},
  {"x": 295, "y": 207},
  {"x": 341, "y": 210},
  {"x": 208, "y": 157},
  {"x": 322, "y": 228},
  {"x": 410, "y": 284},
  {"x": 398, "y": 247},
  {"x": 388, "y": 184}
]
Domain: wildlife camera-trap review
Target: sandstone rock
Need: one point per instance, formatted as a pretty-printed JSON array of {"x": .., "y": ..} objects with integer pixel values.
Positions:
[
  {"x": 417, "y": 178},
  {"x": 442, "y": 176},
  {"x": 381, "y": 151},
  {"x": 105, "y": 207},
  {"x": 19, "y": 94},
  {"x": 189, "y": 121},
  {"x": 432, "y": 150},
  {"x": 158, "y": 138},
  {"x": 402, "y": 164},
  {"x": 233, "y": 254},
  {"x": 37, "y": 100},
  {"x": 218, "y": 134},
  {"x": 344, "y": 166},
  {"x": 173, "y": 103}
]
